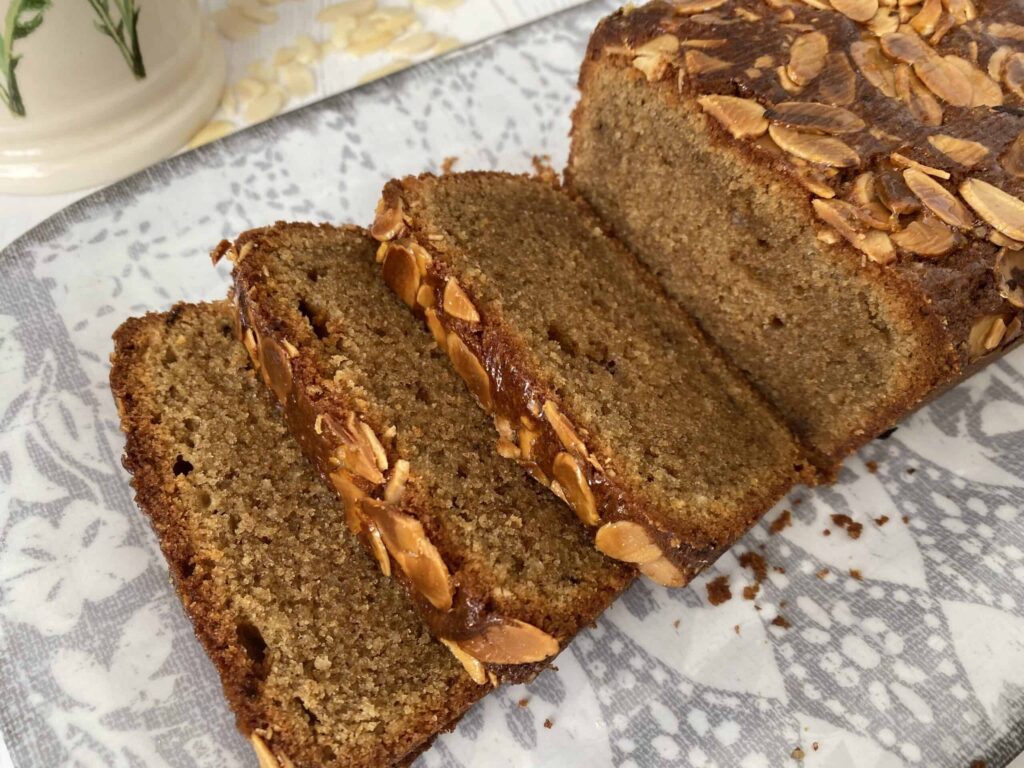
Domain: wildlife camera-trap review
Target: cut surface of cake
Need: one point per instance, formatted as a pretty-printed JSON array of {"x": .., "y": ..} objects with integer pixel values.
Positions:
[
  {"x": 597, "y": 382},
  {"x": 325, "y": 661},
  {"x": 834, "y": 192},
  {"x": 500, "y": 570}
]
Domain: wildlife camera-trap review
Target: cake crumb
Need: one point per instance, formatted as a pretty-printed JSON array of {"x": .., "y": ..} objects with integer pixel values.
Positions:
[
  {"x": 797, "y": 502},
  {"x": 756, "y": 563},
  {"x": 906, "y": 520},
  {"x": 781, "y": 523},
  {"x": 856, "y": 574},
  {"x": 814, "y": 746},
  {"x": 979, "y": 764},
  {"x": 524, "y": 703},
  {"x": 880, "y": 521},
  {"x": 822, "y": 573},
  {"x": 781, "y": 621},
  {"x": 676, "y": 623},
  {"x": 872, "y": 466},
  {"x": 853, "y": 529},
  {"x": 826, "y": 532},
  {"x": 718, "y": 590},
  {"x": 911, "y": 470},
  {"x": 448, "y": 164},
  {"x": 797, "y": 754},
  {"x": 750, "y": 591},
  {"x": 779, "y": 569},
  {"x": 549, "y": 723},
  {"x": 736, "y": 628}
]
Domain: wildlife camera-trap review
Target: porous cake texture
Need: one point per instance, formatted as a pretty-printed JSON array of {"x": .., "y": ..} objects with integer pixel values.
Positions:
[
  {"x": 500, "y": 570},
  {"x": 597, "y": 382},
  {"x": 834, "y": 191},
  {"x": 325, "y": 661}
]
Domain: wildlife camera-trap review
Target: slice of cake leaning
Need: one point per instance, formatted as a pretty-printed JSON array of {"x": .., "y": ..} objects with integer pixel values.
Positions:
[
  {"x": 325, "y": 661},
  {"x": 598, "y": 383},
  {"x": 498, "y": 568},
  {"x": 833, "y": 191}
]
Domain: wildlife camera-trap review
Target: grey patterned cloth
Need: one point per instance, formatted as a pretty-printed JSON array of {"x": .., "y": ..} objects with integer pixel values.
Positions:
[{"x": 918, "y": 662}]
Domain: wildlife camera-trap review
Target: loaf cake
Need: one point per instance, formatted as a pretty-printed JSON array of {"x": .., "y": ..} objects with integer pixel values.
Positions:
[
  {"x": 500, "y": 570},
  {"x": 597, "y": 382},
  {"x": 325, "y": 661},
  {"x": 833, "y": 189}
]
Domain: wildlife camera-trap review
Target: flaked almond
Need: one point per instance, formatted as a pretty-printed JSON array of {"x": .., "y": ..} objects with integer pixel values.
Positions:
[
  {"x": 700, "y": 63},
  {"x": 843, "y": 217},
  {"x": 357, "y": 457},
  {"x": 470, "y": 369},
  {"x": 349, "y": 492},
  {"x": 251, "y": 346},
  {"x": 986, "y": 334},
  {"x": 423, "y": 258},
  {"x": 876, "y": 216},
  {"x": 569, "y": 474},
  {"x": 378, "y": 550},
  {"x": 507, "y": 449},
  {"x": 961, "y": 11},
  {"x": 436, "y": 329},
  {"x": 938, "y": 199},
  {"x": 1013, "y": 74},
  {"x": 862, "y": 191},
  {"x": 814, "y": 180},
  {"x": 858, "y": 10},
  {"x": 668, "y": 44},
  {"x": 396, "y": 483},
  {"x": 807, "y": 57},
  {"x": 927, "y": 17},
  {"x": 963, "y": 151},
  {"x": 825, "y": 150},
  {"x": 425, "y": 296},
  {"x": 528, "y": 436},
  {"x": 376, "y": 449},
  {"x": 664, "y": 572},
  {"x": 1006, "y": 31},
  {"x": 1009, "y": 270},
  {"x": 743, "y": 118},
  {"x": 926, "y": 236},
  {"x": 1012, "y": 159},
  {"x": 703, "y": 42},
  {"x": 689, "y": 7},
  {"x": 876, "y": 68},
  {"x": 1000, "y": 209},
  {"x": 413, "y": 552},
  {"x": 787, "y": 82},
  {"x": 837, "y": 85},
  {"x": 474, "y": 668},
  {"x": 944, "y": 78},
  {"x": 997, "y": 237},
  {"x": 997, "y": 62},
  {"x": 816, "y": 118},
  {"x": 885, "y": 22},
  {"x": 627, "y": 541},
  {"x": 510, "y": 642},
  {"x": 985, "y": 91},
  {"x": 456, "y": 303},
  {"x": 563, "y": 429},
  {"x": 401, "y": 273},
  {"x": 912, "y": 92},
  {"x": 906, "y": 46},
  {"x": 389, "y": 221},
  {"x": 654, "y": 65},
  {"x": 894, "y": 192},
  {"x": 264, "y": 757}
]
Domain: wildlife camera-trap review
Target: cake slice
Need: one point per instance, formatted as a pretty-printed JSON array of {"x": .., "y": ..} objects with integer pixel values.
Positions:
[
  {"x": 835, "y": 192},
  {"x": 498, "y": 568},
  {"x": 325, "y": 661},
  {"x": 598, "y": 383}
]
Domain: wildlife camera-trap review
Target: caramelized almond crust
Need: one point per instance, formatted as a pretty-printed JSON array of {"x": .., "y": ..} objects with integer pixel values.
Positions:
[
  {"x": 469, "y": 310},
  {"x": 372, "y": 442},
  {"x": 184, "y": 365},
  {"x": 890, "y": 138}
]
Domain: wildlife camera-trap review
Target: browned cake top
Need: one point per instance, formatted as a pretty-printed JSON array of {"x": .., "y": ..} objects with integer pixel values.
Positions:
[{"x": 904, "y": 122}]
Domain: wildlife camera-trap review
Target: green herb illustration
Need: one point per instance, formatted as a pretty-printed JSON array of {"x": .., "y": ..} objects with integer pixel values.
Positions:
[
  {"x": 23, "y": 18},
  {"x": 124, "y": 32}
]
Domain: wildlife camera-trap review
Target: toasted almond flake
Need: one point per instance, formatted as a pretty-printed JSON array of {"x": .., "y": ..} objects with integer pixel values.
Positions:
[
  {"x": 563, "y": 429},
  {"x": 1000, "y": 209},
  {"x": 298, "y": 79},
  {"x": 258, "y": 14},
  {"x": 912, "y": 92},
  {"x": 825, "y": 150},
  {"x": 703, "y": 42},
  {"x": 807, "y": 57},
  {"x": 983, "y": 331},
  {"x": 1006, "y": 31},
  {"x": 885, "y": 22},
  {"x": 1013, "y": 74},
  {"x": 997, "y": 237},
  {"x": 667, "y": 44},
  {"x": 436, "y": 329},
  {"x": 571, "y": 478},
  {"x": 821, "y": 5},
  {"x": 215, "y": 129},
  {"x": 444, "y": 5},
  {"x": 858, "y": 10},
  {"x": 377, "y": 548},
  {"x": 265, "y": 106},
  {"x": 264, "y": 757},
  {"x": 963, "y": 151},
  {"x": 690, "y": 7},
  {"x": 944, "y": 78},
  {"x": 1012, "y": 159},
  {"x": 837, "y": 85},
  {"x": 456, "y": 303},
  {"x": 414, "y": 44},
  {"x": 815, "y": 118},
  {"x": 472, "y": 371},
  {"x": 474, "y": 668},
  {"x": 862, "y": 191},
  {"x": 396, "y": 483},
  {"x": 902, "y": 161},
  {"x": 997, "y": 62},
  {"x": 875, "y": 215},
  {"x": 814, "y": 180},
  {"x": 284, "y": 55},
  {"x": 249, "y": 88},
  {"x": 786, "y": 82},
  {"x": 425, "y": 296},
  {"x": 938, "y": 199},
  {"x": 1009, "y": 271},
  {"x": 764, "y": 61},
  {"x": 986, "y": 91},
  {"x": 843, "y": 217},
  {"x": 746, "y": 15},
  {"x": 654, "y": 65},
  {"x": 906, "y": 46},
  {"x": 307, "y": 50},
  {"x": 627, "y": 541},
  {"x": 829, "y": 236},
  {"x": 664, "y": 572},
  {"x": 367, "y": 40},
  {"x": 927, "y": 17},
  {"x": 331, "y": 13},
  {"x": 743, "y": 118},
  {"x": 700, "y": 63},
  {"x": 401, "y": 273},
  {"x": 510, "y": 642},
  {"x": 875, "y": 67},
  {"x": 376, "y": 449},
  {"x": 962, "y": 11},
  {"x": 290, "y": 348},
  {"x": 926, "y": 236},
  {"x": 392, "y": 18},
  {"x": 233, "y": 25}
]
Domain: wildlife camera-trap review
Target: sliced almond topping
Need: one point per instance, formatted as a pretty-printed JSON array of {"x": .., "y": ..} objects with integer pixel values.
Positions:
[
  {"x": 894, "y": 192},
  {"x": 474, "y": 668},
  {"x": 944, "y": 78},
  {"x": 654, "y": 66},
  {"x": 389, "y": 221},
  {"x": 249, "y": 341},
  {"x": 470, "y": 369},
  {"x": 510, "y": 642},
  {"x": 787, "y": 82},
  {"x": 863, "y": 190},
  {"x": 925, "y": 20},
  {"x": 414, "y": 553},
  {"x": 436, "y": 329},
  {"x": 563, "y": 428},
  {"x": 906, "y": 46},
  {"x": 938, "y": 199},
  {"x": 1012, "y": 159},
  {"x": 825, "y": 150},
  {"x": 764, "y": 61},
  {"x": 963, "y": 151},
  {"x": 1000, "y": 209},
  {"x": 837, "y": 85},
  {"x": 997, "y": 62},
  {"x": 264, "y": 757},
  {"x": 376, "y": 449},
  {"x": 507, "y": 449},
  {"x": 689, "y": 7},
  {"x": 814, "y": 180},
  {"x": 351, "y": 494},
  {"x": 700, "y": 63},
  {"x": 876, "y": 216},
  {"x": 378, "y": 550},
  {"x": 743, "y": 118},
  {"x": 997, "y": 237},
  {"x": 912, "y": 92},
  {"x": 876, "y": 68},
  {"x": 807, "y": 57},
  {"x": 663, "y": 571},
  {"x": 570, "y": 476},
  {"x": 627, "y": 541},
  {"x": 527, "y": 437},
  {"x": 1009, "y": 269},
  {"x": 843, "y": 217},
  {"x": 396, "y": 483},
  {"x": 423, "y": 259},
  {"x": 358, "y": 458},
  {"x": 1013, "y": 74},
  {"x": 1006, "y": 31},
  {"x": 703, "y": 42},
  {"x": 926, "y": 236},
  {"x": 425, "y": 296},
  {"x": 986, "y": 91},
  {"x": 815, "y": 118},
  {"x": 457, "y": 304},
  {"x": 962, "y": 11},
  {"x": 858, "y": 10},
  {"x": 662, "y": 44},
  {"x": 401, "y": 273},
  {"x": 885, "y": 22},
  {"x": 986, "y": 333}
]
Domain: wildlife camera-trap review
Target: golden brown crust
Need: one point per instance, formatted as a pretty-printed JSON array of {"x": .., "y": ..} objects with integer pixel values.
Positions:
[
  {"x": 533, "y": 425},
  {"x": 815, "y": 97},
  {"x": 324, "y": 422}
]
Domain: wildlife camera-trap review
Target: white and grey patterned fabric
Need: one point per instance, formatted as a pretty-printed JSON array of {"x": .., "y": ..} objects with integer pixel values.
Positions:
[{"x": 919, "y": 663}]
